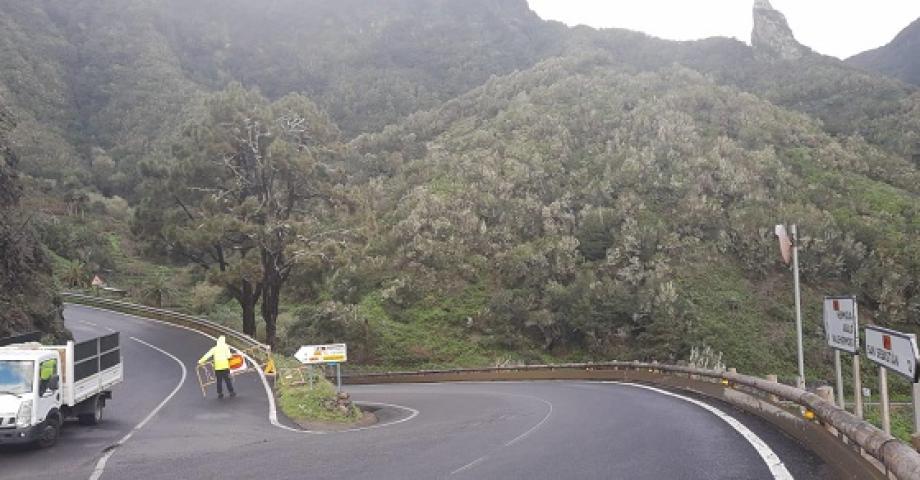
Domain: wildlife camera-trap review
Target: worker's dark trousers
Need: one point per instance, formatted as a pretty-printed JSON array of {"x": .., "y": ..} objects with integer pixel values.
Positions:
[{"x": 223, "y": 375}]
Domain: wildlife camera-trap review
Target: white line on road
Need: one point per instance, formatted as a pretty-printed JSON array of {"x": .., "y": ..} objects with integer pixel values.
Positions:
[
  {"x": 272, "y": 408},
  {"x": 516, "y": 439},
  {"x": 470, "y": 465},
  {"x": 776, "y": 466},
  {"x": 100, "y": 465},
  {"x": 535, "y": 427}
]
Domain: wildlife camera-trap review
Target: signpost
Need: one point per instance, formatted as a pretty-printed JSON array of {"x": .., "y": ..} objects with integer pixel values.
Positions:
[
  {"x": 841, "y": 328},
  {"x": 895, "y": 351},
  {"x": 334, "y": 354},
  {"x": 790, "y": 241}
]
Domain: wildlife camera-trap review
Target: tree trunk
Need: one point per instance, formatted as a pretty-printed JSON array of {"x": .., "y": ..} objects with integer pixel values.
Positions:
[
  {"x": 270, "y": 311},
  {"x": 271, "y": 295},
  {"x": 248, "y": 302}
]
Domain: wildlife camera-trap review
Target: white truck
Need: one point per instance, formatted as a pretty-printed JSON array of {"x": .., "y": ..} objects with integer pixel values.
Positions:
[{"x": 42, "y": 385}]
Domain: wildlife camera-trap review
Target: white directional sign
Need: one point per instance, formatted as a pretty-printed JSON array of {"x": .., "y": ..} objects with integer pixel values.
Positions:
[
  {"x": 841, "y": 323},
  {"x": 312, "y": 354},
  {"x": 893, "y": 350}
]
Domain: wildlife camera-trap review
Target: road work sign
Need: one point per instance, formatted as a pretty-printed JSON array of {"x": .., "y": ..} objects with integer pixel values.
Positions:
[
  {"x": 314, "y": 354},
  {"x": 841, "y": 323},
  {"x": 893, "y": 350}
]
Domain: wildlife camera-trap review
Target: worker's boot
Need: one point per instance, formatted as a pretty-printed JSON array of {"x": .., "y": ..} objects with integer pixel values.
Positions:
[{"x": 220, "y": 396}]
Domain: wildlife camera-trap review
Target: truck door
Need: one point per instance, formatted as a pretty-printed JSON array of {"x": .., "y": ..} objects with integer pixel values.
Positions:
[{"x": 49, "y": 393}]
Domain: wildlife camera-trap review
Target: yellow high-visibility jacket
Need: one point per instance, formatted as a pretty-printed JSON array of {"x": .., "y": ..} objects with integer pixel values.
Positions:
[{"x": 220, "y": 353}]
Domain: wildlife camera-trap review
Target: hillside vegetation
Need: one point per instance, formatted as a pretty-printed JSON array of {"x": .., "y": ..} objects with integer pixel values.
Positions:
[
  {"x": 27, "y": 292},
  {"x": 457, "y": 183}
]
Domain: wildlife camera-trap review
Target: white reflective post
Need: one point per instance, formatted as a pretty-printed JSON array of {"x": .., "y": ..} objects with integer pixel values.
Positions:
[
  {"x": 883, "y": 399},
  {"x": 857, "y": 388},
  {"x": 916, "y": 397},
  {"x": 840, "y": 399},
  {"x": 338, "y": 377},
  {"x": 798, "y": 304}
]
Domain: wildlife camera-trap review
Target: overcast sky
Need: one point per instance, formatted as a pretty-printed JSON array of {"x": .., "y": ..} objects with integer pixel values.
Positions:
[{"x": 833, "y": 27}]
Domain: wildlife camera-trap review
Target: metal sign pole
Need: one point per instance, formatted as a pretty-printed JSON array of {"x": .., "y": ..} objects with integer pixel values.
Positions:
[
  {"x": 310, "y": 374},
  {"x": 839, "y": 371},
  {"x": 883, "y": 398},
  {"x": 915, "y": 390},
  {"x": 857, "y": 388},
  {"x": 798, "y": 304},
  {"x": 338, "y": 377}
]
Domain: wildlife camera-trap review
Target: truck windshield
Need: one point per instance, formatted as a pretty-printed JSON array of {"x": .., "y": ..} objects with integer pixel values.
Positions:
[{"x": 16, "y": 376}]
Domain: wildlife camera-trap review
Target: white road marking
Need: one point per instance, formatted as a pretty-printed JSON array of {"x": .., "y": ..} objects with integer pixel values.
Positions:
[
  {"x": 272, "y": 407},
  {"x": 516, "y": 439},
  {"x": 100, "y": 465},
  {"x": 535, "y": 427},
  {"x": 776, "y": 466},
  {"x": 470, "y": 465}
]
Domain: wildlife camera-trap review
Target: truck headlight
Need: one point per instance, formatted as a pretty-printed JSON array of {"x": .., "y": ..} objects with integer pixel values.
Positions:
[{"x": 24, "y": 417}]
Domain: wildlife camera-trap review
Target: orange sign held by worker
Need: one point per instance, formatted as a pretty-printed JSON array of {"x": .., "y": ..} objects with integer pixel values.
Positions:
[{"x": 237, "y": 364}]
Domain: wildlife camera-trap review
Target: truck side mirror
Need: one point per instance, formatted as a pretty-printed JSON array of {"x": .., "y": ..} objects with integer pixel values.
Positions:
[{"x": 54, "y": 382}]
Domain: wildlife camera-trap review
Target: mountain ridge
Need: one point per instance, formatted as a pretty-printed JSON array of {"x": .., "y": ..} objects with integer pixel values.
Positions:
[{"x": 896, "y": 59}]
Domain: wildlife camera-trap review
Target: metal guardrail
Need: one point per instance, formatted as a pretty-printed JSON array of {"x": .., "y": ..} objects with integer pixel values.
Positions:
[
  {"x": 854, "y": 435},
  {"x": 234, "y": 337}
]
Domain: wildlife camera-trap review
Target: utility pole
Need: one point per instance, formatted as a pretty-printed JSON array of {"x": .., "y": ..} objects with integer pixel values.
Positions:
[
  {"x": 798, "y": 304},
  {"x": 785, "y": 245}
]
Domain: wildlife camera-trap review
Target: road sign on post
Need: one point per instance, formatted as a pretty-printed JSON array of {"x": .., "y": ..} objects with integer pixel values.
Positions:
[
  {"x": 841, "y": 324},
  {"x": 318, "y": 354},
  {"x": 841, "y": 329},
  {"x": 895, "y": 351},
  {"x": 335, "y": 354}
]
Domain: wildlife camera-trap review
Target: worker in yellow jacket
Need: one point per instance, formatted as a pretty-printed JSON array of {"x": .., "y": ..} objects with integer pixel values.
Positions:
[{"x": 220, "y": 354}]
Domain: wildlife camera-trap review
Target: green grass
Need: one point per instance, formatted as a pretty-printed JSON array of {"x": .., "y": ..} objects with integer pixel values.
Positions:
[
  {"x": 901, "y": 421},
  {"x": 304, "y": 404}
]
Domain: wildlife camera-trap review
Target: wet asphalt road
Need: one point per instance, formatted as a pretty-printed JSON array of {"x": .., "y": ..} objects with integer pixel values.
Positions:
[{"x": 527, "y": 430}]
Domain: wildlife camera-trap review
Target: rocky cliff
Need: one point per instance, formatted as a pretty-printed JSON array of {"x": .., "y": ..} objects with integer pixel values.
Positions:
[{"x": 772, "y": 37}]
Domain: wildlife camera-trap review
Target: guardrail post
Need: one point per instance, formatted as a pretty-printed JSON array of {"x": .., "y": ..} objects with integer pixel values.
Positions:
[
  {"x": 827, "y": 394},
  {"x": 774, "y": 379}
]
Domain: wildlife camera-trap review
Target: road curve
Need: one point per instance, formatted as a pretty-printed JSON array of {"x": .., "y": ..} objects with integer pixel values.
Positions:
[{"x": 526, "y": 430}]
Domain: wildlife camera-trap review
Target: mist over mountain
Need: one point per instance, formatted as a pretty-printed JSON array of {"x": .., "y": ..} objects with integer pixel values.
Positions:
[
  {"x": 897, "y": 59},
  {"x": 522, "y": 189}
]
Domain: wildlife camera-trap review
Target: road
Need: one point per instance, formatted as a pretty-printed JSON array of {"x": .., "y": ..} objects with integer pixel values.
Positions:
[{"x": 526, "y": 430}]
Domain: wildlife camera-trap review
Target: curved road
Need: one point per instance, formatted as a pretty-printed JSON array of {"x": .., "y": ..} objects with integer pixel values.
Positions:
[{"x": 528, "y": 430}]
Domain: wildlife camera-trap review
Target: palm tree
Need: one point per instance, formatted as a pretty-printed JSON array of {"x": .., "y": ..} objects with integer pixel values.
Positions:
[
  {"x": 76, "y": 275},
  {"x": 157, "y": 290}
]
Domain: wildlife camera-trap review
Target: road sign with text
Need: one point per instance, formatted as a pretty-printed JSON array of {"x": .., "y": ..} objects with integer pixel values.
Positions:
[
  {"x": 314, "y": 354},
  {"x": 841, "y": 323},
  {"x": 893, "y": 350}
]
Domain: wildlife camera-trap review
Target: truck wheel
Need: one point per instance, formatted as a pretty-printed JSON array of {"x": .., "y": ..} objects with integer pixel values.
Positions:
[
  {"x": 50, "y": 433},
  {"x": 94, "y": 418}
]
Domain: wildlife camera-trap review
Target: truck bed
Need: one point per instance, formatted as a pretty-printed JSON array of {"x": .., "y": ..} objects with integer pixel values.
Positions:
[{"x": 91, "y": 367}]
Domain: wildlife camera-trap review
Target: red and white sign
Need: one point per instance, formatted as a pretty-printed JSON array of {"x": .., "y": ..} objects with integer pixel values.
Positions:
[
  {"x": 237, "y": 363},
  {"x": 893, "y": 350},
  {"x": 841, "y": 323}
]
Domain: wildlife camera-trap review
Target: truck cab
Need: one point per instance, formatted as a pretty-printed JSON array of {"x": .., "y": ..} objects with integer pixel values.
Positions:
[
  {"x": 42, "y": 385},
  {"x": 30, "y": 396}
]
